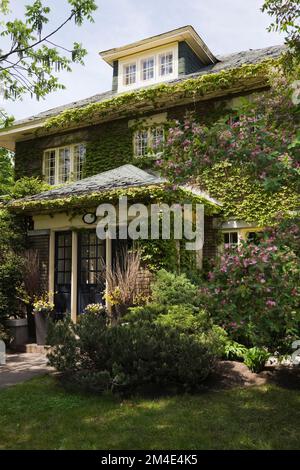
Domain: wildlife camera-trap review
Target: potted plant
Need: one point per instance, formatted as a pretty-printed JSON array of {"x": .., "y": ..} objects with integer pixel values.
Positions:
[
  {"x": 17, "y": 324},
  {"x": 43, "y": 308}
]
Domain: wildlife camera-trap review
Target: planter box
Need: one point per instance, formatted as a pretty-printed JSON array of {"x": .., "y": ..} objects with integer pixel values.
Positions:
[
  {"x": 18, "y": 329},
  {"x": 41, "y": 327}
]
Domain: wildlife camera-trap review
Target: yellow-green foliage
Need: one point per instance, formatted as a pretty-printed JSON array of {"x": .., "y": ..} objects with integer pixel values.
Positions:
[
  {"x": 123, "y": 104},
  {"x": 146, "y": 194},
  {"x": 244, "y": 198}
]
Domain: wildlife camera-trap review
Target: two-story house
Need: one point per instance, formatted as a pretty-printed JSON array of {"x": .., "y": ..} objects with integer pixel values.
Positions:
[{"x": 92, "y": 150}]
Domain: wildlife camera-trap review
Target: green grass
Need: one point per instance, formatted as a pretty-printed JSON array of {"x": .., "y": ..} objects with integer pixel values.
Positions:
[{"x": 39, "y": 414}]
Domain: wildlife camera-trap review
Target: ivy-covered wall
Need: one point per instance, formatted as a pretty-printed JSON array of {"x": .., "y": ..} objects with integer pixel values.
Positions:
[{"x": 109, "y": 144}]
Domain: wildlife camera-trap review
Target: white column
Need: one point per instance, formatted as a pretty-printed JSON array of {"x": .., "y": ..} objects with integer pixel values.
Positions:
[
  {"x": 51, "y": 284},
  {"x": 74, "y": 276},
  {"x": 108, "y": 262}
]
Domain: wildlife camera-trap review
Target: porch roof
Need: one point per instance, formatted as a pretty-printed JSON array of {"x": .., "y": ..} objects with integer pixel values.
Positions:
[{"x": 90, "y": 190}]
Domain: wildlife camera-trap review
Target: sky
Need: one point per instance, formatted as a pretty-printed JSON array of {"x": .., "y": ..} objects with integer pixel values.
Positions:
[{"x": 225, "y": 25}]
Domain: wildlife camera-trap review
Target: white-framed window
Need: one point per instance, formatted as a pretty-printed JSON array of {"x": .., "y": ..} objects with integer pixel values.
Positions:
[
  {"x": 50, "y": 166},
  {"x": 148, "y": 69},
  {"x": 148, "y": 142},
  {"x": 166, "y": 64},
  {"x": 129, "y": 73},
  {"x": 64, "y": 164},
  {"x": 231, "y": 239}
]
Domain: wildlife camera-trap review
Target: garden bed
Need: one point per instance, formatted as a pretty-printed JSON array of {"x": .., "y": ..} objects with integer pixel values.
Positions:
[{"x": 232, "y": 374}]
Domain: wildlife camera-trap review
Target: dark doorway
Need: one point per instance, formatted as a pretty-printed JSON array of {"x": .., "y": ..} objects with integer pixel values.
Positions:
[
  {"x": 91, "y": 257},
  {"x": 63, "y": 267}
]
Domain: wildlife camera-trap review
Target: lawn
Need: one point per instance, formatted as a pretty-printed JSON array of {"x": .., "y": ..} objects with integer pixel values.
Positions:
[{"x": 39, "y": 414}]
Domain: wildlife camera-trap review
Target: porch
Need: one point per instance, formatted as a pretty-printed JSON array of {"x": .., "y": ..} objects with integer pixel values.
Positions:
[{"x": 63, "y": 223}]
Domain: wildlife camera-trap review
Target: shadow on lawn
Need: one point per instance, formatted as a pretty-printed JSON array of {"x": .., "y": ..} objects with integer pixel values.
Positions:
[
  {"x": 256, "y": 418},
  {"x": 264, "y": 417}
]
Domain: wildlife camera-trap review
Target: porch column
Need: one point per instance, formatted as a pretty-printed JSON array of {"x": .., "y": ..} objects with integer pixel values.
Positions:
[
  {"x": 74, "y": 276},
  {"x": 108, "y": 265},
  {"x": 51, "y": 285}
]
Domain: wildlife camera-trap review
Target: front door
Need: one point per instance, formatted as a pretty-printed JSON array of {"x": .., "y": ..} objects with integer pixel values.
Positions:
[
  {"x": 63, "y": 266},
  {"x": 91, "y": 269}
]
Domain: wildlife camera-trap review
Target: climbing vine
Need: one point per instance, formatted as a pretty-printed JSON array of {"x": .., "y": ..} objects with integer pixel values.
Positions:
[
  {"x": 249, "y": 159},
  {"x": 144, "y": 194},
  {"x": 210, "y": 85}
]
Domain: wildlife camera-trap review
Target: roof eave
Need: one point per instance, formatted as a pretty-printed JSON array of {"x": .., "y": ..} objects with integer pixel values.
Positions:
[
  {"x": 9, "y": 138},
  {"x": 11, "y": 135},
  {"x": 186, "y": 33}
]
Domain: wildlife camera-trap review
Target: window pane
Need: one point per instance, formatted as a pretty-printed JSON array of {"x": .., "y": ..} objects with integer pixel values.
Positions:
[
  {"x": 79, "y": 158},
  {"x": 64, "y": 165},
  {"x": 231, "y": 238},
  {"x": 157, "y": 139},
  {"x": 166, "y": 64},
  {"x": 49, "y": 165},
  {"x": 129, "y": 74},
  {"x": 60, "y": 265},
  {"x": 148, "y": 69},
  {"x": 141, "y": 143}
]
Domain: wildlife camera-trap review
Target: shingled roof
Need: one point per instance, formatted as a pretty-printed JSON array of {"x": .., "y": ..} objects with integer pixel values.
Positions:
[
  {"x": 227, "y": 62},
  {"x": 125, "y": 177}
]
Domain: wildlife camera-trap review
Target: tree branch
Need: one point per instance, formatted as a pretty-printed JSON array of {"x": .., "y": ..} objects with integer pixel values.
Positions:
[{"x": 20, "y": 50}]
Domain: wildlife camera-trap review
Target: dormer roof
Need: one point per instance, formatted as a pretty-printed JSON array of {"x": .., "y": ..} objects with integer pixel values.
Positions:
[{"x": 185, "y": 33}]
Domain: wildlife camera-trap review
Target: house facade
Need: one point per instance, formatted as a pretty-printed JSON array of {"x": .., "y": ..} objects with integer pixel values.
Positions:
[{"x": 93, "y": 150}]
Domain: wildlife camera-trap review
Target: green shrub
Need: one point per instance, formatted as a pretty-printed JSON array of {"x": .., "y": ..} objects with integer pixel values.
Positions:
[
  {"x": 148, "y": 312},
  {"x": 28, "y": 186},
  {"x": 234, "y": 351},
  {"x": 256, "y": 358},
  {"x": 89, "y": 381},
  {"x": 64, "y": 354},
  {"x": 4, "y": 335},
  {"x": 185, "y": 318},
  {"x": 133, "y": 355},
  {"x": 11, "y": 277},
  {"x": 171, "y": 289}
]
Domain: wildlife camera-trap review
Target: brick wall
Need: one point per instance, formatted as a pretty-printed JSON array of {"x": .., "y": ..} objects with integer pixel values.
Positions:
[{"x": 101, "y": 154}]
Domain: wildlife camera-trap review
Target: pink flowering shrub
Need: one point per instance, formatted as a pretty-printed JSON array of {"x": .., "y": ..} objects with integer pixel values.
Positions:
[
  {"x": 261, "y": 137},
  {"x": 254, "y": 290}
]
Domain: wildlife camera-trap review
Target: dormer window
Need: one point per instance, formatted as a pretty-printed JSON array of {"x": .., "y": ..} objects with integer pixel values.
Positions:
[
  {"x": 166, "y": 66},
  {"x": 130, "y": 74},
  {"x": 147, "y": 68},
  {"x": 158, "y": 59}
]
